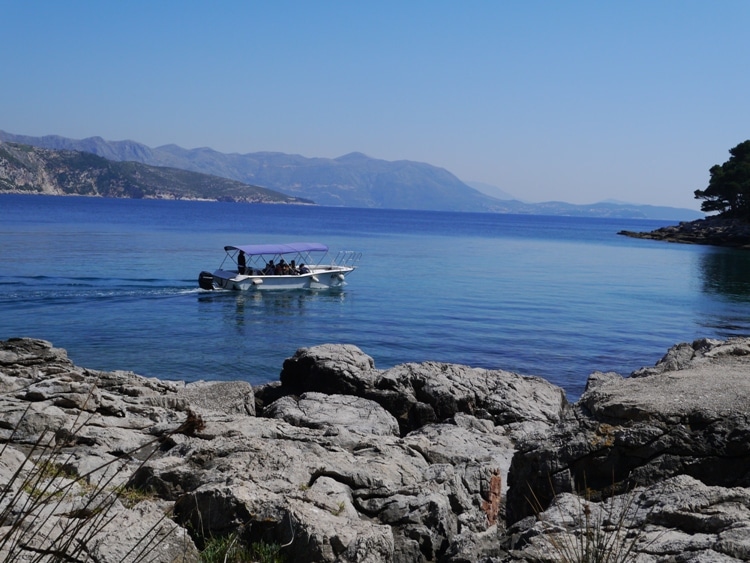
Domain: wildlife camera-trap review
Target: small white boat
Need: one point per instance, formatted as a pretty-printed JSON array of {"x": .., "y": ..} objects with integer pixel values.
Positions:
[{"x": 296, "y": 265}]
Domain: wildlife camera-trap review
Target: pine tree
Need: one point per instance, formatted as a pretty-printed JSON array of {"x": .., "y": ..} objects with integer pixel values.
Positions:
[{"x": 728, "y": 190}]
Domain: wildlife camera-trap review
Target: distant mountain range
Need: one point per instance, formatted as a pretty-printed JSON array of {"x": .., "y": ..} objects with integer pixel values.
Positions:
[
  {"x": 490, "y": 190},
  {"x": 32, "y": 170},
  {"x": 352, "y": 180}
]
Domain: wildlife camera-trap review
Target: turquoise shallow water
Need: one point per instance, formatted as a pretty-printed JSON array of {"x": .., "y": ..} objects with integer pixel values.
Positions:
[{"x": 115, "y": 283}]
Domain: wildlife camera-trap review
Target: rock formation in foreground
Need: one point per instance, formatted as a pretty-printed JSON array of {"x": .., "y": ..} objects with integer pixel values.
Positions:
[{"x": 340, "y": 461}]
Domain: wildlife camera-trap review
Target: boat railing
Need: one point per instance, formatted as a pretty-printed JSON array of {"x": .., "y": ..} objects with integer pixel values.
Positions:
[
  {"x": 256, "y": 263},
  {"x": 346, "y": 258}
]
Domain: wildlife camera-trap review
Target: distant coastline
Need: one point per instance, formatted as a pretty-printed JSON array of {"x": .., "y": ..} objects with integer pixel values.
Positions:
[
  {"x": 159, "y": 197},
  {"x": 713, "y": 231},
  {"x": 353, "y": 180}
]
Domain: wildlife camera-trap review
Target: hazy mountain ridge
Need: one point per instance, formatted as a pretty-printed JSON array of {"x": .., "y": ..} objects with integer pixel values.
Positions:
[
  {"x": 490, "y": 190},
  {"x": 35, "y": 170},
  {"x": 352, "y": 180},
  {"x": 600, "y": 209}
]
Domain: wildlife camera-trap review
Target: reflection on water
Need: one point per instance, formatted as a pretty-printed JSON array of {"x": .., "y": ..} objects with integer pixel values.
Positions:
[
  {"x": 725, "y": 280},
  {"x": 250, "y": 334},
  {"x": 257, "y": 307},
  {"x": 726, "y": 272}
]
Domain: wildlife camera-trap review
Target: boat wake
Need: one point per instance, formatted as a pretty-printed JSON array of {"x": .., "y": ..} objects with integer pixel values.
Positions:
[{"x": 50, "y": 288}]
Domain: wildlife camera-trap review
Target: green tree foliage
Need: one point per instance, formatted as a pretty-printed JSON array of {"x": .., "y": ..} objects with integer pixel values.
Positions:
[{"x": 728, "y": 190}]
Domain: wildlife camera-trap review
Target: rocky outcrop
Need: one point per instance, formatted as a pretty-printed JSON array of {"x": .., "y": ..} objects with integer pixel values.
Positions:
[
  {"x": 420, "y": 394},
  {"x": 683, "y": 424},
  {"x": 71, "y": 438},
  {"x": 715, "y": 231},
  {"x": 340, "y": 461},
  {"x": 679, "y": 519}
]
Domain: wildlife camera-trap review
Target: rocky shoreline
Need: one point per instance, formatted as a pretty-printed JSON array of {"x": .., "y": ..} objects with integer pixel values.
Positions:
[
  {"x": 340, "y": 461},
  {"x": 713, "y": 231}
]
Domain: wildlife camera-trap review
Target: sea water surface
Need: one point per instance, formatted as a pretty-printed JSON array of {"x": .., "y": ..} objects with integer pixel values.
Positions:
[{"x": 115, "y": 283}]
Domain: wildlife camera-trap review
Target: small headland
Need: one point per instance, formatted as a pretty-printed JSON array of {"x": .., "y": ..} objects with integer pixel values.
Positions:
[{"x": 715, "y": 231}]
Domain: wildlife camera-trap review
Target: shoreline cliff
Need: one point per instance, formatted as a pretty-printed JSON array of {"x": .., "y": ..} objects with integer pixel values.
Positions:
[{"x": 340, "y": 461}]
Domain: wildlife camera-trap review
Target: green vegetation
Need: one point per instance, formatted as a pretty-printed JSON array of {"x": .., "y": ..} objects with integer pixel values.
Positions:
[
  {"x": 230, "y": 549},
  {"x": 728, "y": 190},
  {"x": 130, "y": 496}
]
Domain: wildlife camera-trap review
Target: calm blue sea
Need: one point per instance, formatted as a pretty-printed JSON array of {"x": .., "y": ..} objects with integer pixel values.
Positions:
[{"x": 115, "y": 283}]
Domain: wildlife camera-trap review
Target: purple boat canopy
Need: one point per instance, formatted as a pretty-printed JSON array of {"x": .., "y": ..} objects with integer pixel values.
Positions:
[{"x": 289, "y": 248}]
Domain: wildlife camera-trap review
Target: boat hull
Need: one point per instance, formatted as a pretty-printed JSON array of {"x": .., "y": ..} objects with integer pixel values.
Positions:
[{"x": 322, "y": 279}]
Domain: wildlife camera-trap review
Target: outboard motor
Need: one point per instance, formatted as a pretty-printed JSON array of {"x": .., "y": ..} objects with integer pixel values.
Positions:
[{"x": 206, "y": 280}]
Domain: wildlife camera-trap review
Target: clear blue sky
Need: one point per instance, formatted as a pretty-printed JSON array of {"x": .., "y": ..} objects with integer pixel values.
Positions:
[{"x": 577, "y": 101}]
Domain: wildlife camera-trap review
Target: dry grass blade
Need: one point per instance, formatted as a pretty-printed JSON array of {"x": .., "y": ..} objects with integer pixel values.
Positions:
[
  {"x": 582, "y": 531},
  {"x": 50, "y": 513}
]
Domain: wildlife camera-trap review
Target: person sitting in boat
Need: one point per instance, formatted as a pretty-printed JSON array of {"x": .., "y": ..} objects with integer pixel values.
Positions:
[
  {"x": 270, "y": 269},
  {"x": 303, "y": 269},
  {"x": 241, "y": 263},
  {"x": 282, "y": 269},
  {"x": 293, "y": 268}
]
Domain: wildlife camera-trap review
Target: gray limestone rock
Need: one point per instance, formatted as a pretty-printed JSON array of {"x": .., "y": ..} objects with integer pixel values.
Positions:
[
  {"x": 334, "y": 413},
  {"x": 690, "y": 415},
  {"x": 679, "y": 519},
  {"x": 340, "y": 461},
  {"x": 419, "y": 394}
]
